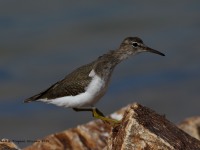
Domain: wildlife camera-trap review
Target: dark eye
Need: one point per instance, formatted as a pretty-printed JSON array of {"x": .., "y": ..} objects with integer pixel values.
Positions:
[{"x": 135, "y": 44}]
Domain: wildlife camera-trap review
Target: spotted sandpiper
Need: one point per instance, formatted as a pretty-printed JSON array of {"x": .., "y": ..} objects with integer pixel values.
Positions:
[{"x": 82, "y": 88}]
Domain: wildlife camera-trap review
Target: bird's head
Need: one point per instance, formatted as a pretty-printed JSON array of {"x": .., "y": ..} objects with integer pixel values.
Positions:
[{"x": 134, "y": 45}]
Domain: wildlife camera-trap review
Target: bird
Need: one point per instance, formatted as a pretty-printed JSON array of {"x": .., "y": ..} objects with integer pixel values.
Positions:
[{"x": 86, "y": 85}]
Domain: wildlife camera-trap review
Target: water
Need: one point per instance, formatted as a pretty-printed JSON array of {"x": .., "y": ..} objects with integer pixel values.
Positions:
[{"x": 42, "y": 41}]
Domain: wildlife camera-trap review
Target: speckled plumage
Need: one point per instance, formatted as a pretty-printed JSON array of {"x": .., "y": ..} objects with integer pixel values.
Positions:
[{"x": 73, "y": 84}]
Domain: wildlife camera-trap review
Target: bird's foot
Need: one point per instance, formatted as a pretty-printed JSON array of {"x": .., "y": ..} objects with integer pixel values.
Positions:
[{"x": 99, "y": 115}]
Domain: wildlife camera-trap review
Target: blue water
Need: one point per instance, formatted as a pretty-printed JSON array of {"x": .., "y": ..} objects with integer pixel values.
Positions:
[{"x": 42, "y": 41}]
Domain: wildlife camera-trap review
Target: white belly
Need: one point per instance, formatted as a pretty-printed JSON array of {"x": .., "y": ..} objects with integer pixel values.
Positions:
[{"x": 93, "y": 92}]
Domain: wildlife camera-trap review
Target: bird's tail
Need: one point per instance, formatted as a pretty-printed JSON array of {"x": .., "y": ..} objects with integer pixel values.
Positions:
[
  {"x": 33, "y": 98},
  {"x": 38, "y": 96}
]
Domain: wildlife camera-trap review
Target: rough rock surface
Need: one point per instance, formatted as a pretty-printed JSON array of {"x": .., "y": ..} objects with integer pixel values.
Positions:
[
  {"x": 6, "y": 144},
  {"x": 141, "y": 128},
  {"x": 92, "y": 135},
  {"x": 191, "y": 126}
]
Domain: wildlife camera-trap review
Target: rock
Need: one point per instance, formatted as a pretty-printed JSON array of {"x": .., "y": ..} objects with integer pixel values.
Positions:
[
  {"x": 92, "y": 135},
  {"x": 142, "y": 128},
  {"x": 6, "y": 144},
  {"x": 89, "y": 136},
  {"x": 191, "y": 126}
]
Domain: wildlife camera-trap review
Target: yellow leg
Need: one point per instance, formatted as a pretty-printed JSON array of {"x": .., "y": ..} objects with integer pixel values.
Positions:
[{"x": 98, "y": 114}]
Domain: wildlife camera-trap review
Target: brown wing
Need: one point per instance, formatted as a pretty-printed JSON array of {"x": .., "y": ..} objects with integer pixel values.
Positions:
[{"x": 72, "y": 84}]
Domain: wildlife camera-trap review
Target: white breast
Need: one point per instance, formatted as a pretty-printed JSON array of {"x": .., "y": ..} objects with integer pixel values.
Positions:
[{"x": 92, "y": 94}]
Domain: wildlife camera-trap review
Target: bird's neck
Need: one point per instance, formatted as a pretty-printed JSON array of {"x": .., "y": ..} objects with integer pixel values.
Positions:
[
  {"x": 106, "y": 63},
  {"x": 121, "y": 54}
]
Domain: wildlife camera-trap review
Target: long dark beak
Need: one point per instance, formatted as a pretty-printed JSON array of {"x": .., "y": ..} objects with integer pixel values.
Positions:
[{"x": 148, "y": 49}]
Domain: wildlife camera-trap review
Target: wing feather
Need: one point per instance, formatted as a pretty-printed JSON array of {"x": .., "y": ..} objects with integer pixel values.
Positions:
[{"x": 72, "y": 84}]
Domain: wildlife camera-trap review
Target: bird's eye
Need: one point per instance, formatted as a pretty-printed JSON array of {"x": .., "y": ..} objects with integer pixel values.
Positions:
[{"x": 135, "y": 44}]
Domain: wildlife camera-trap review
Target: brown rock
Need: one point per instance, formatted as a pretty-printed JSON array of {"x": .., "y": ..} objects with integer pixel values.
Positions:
[
  {"x": 6, "y": 144},
  {"x": 92, "y": 135},
  {"x": 142, "y": 128},
  {"x": 191, "y": 126}
]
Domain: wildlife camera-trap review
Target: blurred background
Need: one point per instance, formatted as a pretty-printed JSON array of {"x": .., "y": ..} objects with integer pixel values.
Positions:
[{"x": 42, "y": 41}]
